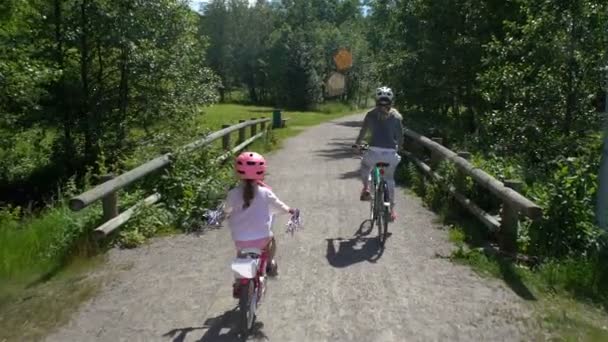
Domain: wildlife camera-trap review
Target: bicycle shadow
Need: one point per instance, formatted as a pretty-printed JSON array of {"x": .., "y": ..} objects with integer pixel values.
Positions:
[
  {"x": 359, "y": 248},
  {"x": 222, "y": 328}
]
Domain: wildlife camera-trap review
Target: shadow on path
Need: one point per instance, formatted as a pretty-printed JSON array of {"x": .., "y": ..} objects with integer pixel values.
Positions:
[
  {"x": 222, "y": 328},
  {"x": 513, "y": 280},
  {"x": 357, "y": 249},
  {"x": 353, "y": 123}
]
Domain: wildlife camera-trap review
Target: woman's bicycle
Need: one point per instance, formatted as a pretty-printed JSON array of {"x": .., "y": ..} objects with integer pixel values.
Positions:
[
  {"x": 380, "y": 204},
  {"x": 250, "y": 269}
]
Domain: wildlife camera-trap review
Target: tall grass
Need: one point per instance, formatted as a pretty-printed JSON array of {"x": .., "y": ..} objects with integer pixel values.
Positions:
[{"x": 41, "y": 243}]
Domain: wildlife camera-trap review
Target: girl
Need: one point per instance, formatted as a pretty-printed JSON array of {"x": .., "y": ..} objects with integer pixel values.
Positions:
[{"x": 250, "y": 207}]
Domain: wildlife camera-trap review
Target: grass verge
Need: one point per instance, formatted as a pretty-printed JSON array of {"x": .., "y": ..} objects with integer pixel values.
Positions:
[
  {"x": 30, "y": 309},
  {"x": 559, "y": 314}
]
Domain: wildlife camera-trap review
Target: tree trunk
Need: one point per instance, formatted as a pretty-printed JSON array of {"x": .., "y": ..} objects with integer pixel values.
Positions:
[
  {"x": 123, "y": 95},
  {"x": 570, "y": 91},
  {"x": 68, "y": 142},
  {"x": 85, "y": 112}
]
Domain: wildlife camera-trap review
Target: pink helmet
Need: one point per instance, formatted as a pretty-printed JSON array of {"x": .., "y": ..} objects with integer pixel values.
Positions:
[{"x": 250, "y": 166}]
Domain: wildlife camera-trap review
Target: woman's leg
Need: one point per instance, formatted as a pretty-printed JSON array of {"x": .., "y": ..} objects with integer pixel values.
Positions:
[
  {"x": 366, "y": 167},
  {"x": 389, "y": 177}
]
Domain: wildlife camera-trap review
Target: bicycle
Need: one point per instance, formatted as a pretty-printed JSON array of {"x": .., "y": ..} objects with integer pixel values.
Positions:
[
  {"x": 380, "y": 204},
  {"x": 250, "y": 268}
]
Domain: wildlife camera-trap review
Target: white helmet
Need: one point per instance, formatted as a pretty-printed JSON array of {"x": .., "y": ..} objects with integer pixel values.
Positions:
[{"x": 384, "y": 95}]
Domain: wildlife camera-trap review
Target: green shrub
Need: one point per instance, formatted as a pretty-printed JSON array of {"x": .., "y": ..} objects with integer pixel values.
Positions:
[
  {"x": 193, "y": 184},
  {"x": 334, "y": 107},
  {"x": 567, "y": 227},
  {"x": 147, "y": 222}
]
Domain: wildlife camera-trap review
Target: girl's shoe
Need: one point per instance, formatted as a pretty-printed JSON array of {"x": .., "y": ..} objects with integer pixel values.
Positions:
[{"x": 272, "y": 269}]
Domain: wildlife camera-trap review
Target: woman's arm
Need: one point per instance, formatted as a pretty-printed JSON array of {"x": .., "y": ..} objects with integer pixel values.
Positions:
[
  {"x": 363, "y": 130},
  {"x": 399, "y": 129}
]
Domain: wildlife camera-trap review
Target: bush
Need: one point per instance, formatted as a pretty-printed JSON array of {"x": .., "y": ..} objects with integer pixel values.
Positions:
[
  {"x": 567, "y": 227},
  {"x": 193, "y": 184},
  {"x": 148, "y": 222},
  {"x": 334, "y": 107}
]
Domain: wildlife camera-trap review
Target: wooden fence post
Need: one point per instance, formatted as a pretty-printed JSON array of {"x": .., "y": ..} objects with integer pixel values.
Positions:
[
  {"x": 436, "y": 157},
  {"x": 241, "y": 133},
  {"x": 110, "y": 201},
  {"x": 226, "y": 140},
  {"x": 263, "y": 126},
  {"x": 254, "y": 128},
  {"x": 461, "y": 177},
  {"x": 509, "y": 221}
]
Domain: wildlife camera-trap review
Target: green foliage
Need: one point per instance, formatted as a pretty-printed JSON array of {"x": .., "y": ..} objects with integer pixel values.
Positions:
[
  {"x": 334, "y": 108},
  {"x": 281, "y": 53},
  {"x": 80, "y": 76},
  {"x": 193, "y": 184},
  {"x": 39, "y": 243},
  {"x": 568, "y": 225},
  {"x": 542, "y": 78},
  {"x": 148, "y": 222}
]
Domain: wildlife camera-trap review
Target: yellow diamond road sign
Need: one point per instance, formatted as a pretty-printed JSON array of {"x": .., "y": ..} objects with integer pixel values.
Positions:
[{"x": 343, "y": 59}]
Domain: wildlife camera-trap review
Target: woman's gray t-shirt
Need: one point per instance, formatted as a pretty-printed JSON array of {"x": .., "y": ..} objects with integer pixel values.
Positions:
[{"x": 386, "y": 129}]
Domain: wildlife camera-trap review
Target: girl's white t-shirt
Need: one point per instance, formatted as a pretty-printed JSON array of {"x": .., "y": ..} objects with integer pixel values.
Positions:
[{"x": 254, "y": 222}]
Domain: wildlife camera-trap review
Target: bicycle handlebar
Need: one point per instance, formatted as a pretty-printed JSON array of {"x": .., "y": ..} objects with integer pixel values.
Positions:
[
  {"x": 214, "y": 217},
  {"x": 295, "y": 222}
]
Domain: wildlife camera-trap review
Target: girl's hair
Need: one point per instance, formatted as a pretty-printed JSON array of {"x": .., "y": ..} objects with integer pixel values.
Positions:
[{"x": 248, "y": 193}]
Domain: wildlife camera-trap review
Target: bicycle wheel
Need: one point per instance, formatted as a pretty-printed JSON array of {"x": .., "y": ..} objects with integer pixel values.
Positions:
[
  {"x": 372, "y": 203},
  {"x": 379, "y": 216},
  {"x": 386, "y": 211},
  {"x": 247, "y": 305},
  {"x": 383, "y": 213}
]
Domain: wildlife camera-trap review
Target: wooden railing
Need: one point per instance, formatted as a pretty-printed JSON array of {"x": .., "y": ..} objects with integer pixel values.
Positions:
[
  {"x": 107, "y": 191},
  {"x": 513, "y": 205}
]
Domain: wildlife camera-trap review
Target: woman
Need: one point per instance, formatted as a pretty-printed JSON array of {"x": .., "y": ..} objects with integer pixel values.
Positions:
[{"x": 385, "y": 125}]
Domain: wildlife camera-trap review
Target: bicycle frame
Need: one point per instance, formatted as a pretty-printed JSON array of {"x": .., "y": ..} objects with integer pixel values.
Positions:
[
  {"x": 380, "y": 203},
  {"x": 378, "y": 180},
  {"x": 249, "y": 268}
]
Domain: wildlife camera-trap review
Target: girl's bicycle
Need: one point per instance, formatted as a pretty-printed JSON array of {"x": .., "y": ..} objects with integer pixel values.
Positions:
[
  {"x": 250, "y": 271},
  {"x": 380, "y": 204}
]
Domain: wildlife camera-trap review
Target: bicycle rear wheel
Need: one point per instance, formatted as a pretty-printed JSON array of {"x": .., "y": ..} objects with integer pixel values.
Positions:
[{"x": 247, "y": 306}]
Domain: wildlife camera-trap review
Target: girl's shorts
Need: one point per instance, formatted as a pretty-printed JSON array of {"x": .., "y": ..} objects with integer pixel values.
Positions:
[{"x": 259, "y": 243}]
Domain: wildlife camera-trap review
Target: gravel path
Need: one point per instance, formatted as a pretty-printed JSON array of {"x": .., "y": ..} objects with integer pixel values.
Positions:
[{"x": 332, "y": 286}]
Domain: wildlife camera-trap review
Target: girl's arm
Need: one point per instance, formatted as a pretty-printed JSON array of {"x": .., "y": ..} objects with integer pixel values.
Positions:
[
  {"x": 228, "y": 204},
  {"x": 276, "y": 203}
]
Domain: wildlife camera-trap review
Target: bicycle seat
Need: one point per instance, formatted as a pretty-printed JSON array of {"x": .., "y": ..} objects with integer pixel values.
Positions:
[
  {"x": 382, "y": 164},
  {"x": 255, "y": 252}
]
